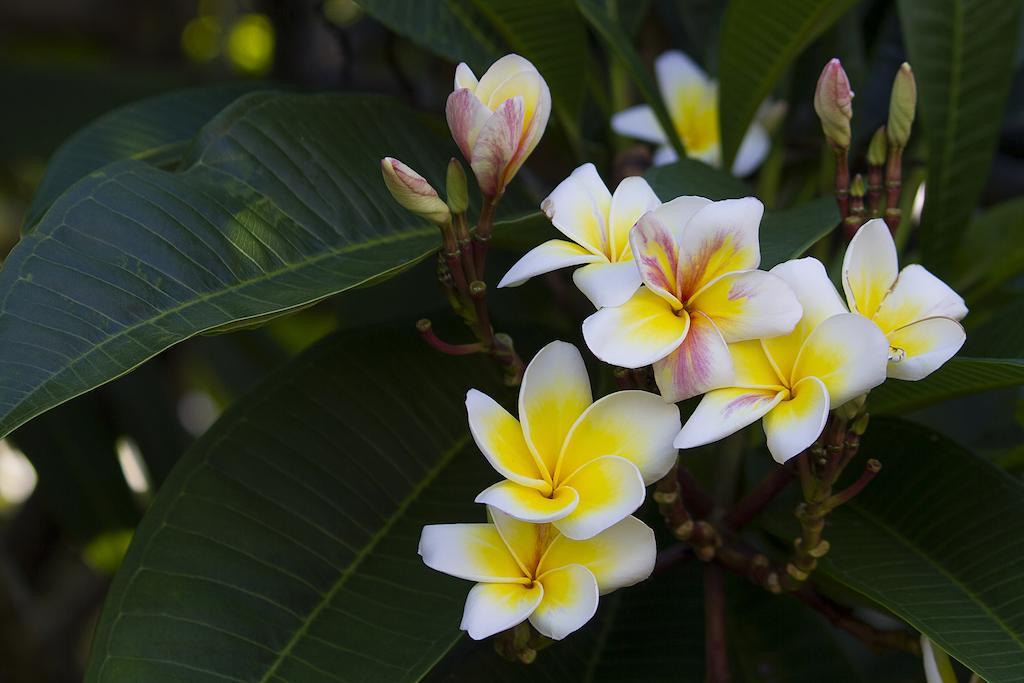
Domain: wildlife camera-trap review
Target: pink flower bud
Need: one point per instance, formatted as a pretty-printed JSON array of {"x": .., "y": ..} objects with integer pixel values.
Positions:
[
  {"x": 498, "y": 120},
  {"x": 413, "y": 192},
  {"x": 833, "y": 101}
]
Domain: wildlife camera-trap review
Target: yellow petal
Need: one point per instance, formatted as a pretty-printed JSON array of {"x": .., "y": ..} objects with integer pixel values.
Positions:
[
  {"x": 753, "y": 368},
  {"x": 919, "y": 349},
  {"x": 632, "y": 199},
  {"x": 917, "y": 295},
  {"x": 500, "y": 438},
  {"x": 609, "y": 488},
  {"x": 554, "y": 393},
  {"x": 635, "y": 425},
  {"x": 529, "y": 504},
  {"x": 720, "y": 238},
  {"x": 796, "y": 423},
  {"x": 848, "y": 353},
  {"x": 579, "y": 207},
  {"x": 869, "y": 267},
  {"x": 495, "y": 607},
  {"x": 569, "y": 602},
  {"x": 750, "y": 304},
  {"x": 469, "y": 551},
  {"x": 525, "y": 541},
  {"x": 619, "y": 556},
  {"x": 637, "y": 333}
]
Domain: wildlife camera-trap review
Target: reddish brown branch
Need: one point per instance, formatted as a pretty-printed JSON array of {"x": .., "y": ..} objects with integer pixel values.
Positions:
[
  {"x": 758, "y": 498},
  {"x": 716, "y": 659}
]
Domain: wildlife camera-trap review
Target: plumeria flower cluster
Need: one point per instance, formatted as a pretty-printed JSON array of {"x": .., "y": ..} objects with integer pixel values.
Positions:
[
  {"x": 561, "y": 531},
  {"x": 691, "y": 98}
]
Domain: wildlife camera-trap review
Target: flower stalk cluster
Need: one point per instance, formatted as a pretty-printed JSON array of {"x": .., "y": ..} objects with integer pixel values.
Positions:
[{"x": 833, "y": 102}]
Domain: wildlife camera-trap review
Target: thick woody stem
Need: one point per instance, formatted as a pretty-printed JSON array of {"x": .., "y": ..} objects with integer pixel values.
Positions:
[
  {"x": 499, "y": 346},
  {"x": 842, "y": 182},
  {"x": 716, "y": 648},
  {"x": 755, "y": 501},
  {"x": 840, "y": 617},
  {"x": 482, "y": 236},
  {"x": 875, "y": 190}
]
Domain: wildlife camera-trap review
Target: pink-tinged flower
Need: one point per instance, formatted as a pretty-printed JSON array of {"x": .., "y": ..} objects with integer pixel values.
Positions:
[
  {"x": 692, "y": 102},
  {"x": 569, "y": 460},
  {"x": 531, "y": 571},
  {"x": 697, "y": 259},
  {"x": 917, "y": 311},
  {"x": 498, "y": 120},
  {"x": 792, "y": 381},
  {"x": 413, "y": 192},
  {"x": 597, "y": 224},
  {"x": 833, "y": 102}
]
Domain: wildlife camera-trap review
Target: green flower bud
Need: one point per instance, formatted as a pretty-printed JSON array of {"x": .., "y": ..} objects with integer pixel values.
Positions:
[
  {"x": 877, "y": 148},
  {"x": 902, "y": 103},
  {"x": 413, "y": 192},
  {"x": 857, "y": 186},
  {"x": 455, "y": 186},
  {"x": 833, "y": 101}
]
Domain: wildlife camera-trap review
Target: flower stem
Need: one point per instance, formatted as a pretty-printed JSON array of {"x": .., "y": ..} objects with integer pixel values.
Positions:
[
  {"x": 761, "y": 495},
  {"x": 716, "y": 648},
  {"x": 426, "y": 330},
  {"x": 842, "y": 177},
  {"x": 482, "y": 236}
]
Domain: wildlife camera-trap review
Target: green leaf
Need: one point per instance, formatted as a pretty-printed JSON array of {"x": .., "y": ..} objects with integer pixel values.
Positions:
[
  {"x": 785, "y": 233},
  {"x": 934, "y": 539},
  {"x": 959, "y": 377},
  {"x": 759, "y": 41},
  {"x": 959, "y": 50},
  {"x": 653, "y": 632},
  {"x": 992, "y": 251},
  {"x": 157, "y": 130},
  {"x": 279, "y": 204},
  {"x": 283, "y": 546},
  {"x": 603, "y": 18}
]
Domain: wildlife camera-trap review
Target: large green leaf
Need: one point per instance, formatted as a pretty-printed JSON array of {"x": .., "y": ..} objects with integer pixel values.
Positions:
[
  {"x": 992, "y": 251},
  {"x": 934, "y": 540},
  {"x": 653, "y": 632},
  {"x": 785, "y": 233},
  {"x": 157, "y": 130},
  {"x": 279, "y": 204},
  {"x": 960, "y": 51},
  {"x": 549, "y": 33},
  {"x": 603, "y": 17},
  {"x": 283, "y": 546},
  {"x": 959, "y": 377},
  {"x": 759, "y": 41}
]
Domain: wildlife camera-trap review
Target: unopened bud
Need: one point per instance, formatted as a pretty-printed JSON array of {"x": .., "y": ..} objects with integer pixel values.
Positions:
[
  {"x": 455, "y": 186},
  {"x": 877, "y": 148},
  {"x": 413, "y": 192},
  {"x": 902, "y": 103},
  {"x": 833, "y": 101},
  {"x": 857, "y": 186},
  {"x": 860, "y": 425}
]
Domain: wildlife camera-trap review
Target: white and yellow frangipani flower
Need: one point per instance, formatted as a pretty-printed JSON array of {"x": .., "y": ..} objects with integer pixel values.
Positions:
[
  {"x": 792, "y": 381},
  {"x": 578, "y": 463},
  {"x": 531, "y": 571},
  {"x": 692, "y": 102},
  {"x": 498, "y": 120},
  {"x": 597, "y": 224},
  {"x": 917, "y": 311},
  {"x": 697, "y": 260}
]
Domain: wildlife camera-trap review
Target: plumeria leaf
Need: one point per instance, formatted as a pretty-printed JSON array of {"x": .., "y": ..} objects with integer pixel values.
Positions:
[
  {"x": 927, "y": 539},
  {"x": 959, "y": 50},
  {"x": 257, "y": 221},
  {"x": 157, "y": 130},
  {"x": 603, "y": 18},
  {"x": 285, "y": 540},
  {"x": 784, "y": 234},
  {"x": 960, "y": 376},
  {"x": 759, "y": 41},
  {"x": 992, "y": 251}
]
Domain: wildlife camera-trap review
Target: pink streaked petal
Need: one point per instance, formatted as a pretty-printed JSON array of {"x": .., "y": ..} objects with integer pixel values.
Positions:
[
  {"x": 496, "y": 145},
  {"x": 720, "y": 238},
  {"x": 725, "y": 411},
  {"x": 657, "y": 256},
  {"x": 701, "y": 363},
  {"x": 466, "y": 118}
]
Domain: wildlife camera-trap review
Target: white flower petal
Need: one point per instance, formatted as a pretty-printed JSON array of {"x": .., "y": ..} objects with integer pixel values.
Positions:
[
  {"x": 499, "y": 73},
  {"x": 500, "y": 438},
  {"x": 639, "y": 122},
  {"x": 579, "y": 208},
  {"x": 749, "y": 304},
  {"x": 610, "y": 488},
  {"x": 495, "y": 607},
  {"x": 465, "y": 78},
  {"x": 725, "y": 411},
  {"x": 546, "y": 257},
  {"x": 527, "y": 504},
  {"x": 635, "y": 425},
  {"x": 795, "y": 424},
  {"x": 469, "y": 551},
  {"x": 675, "y": 71},
  {"x": 664, "y": 155},
  {"x": 917, "y": 295},
  {"x": 570, "y": 601},
  {"x": 620, "y": 556},
  {"x": 632, "y": 199},
  {"x": 720, "y": 238},
  {"x": 608, "y": 284},
  {"x": 923, "y": 347},
  {"x": 699, "y": 364},
  {"x": 554, "y": 393},
  {"x": 637, "y": 333},
  {"x": 869, "y": 267},
  {"x": 752, "y": 152},
  {"x": 848, "y": 353}
]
